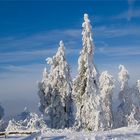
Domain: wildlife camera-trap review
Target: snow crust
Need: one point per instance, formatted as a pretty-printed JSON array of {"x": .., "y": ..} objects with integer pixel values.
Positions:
[{"x": 125, "y": 133}]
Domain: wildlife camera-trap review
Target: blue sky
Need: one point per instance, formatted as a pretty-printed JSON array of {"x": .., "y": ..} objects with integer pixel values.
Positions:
[{"x": 31, "y": 30}]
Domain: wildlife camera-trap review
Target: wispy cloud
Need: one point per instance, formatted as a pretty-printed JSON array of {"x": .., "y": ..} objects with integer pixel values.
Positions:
[
  {"x": 130, "y": 9},
  {"x": 23, "y": 56},
  {"x": 21, "y": 69},
  {"x": 130, "y": 13},
  {"x": 38, "y": 40},
  {"x": 38, "y": 46},
  {"x": 113, "y": 31},
  {"x": 120, "y": 50}
]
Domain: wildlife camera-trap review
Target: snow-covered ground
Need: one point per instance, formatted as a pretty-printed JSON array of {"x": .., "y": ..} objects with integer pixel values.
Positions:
[{"x": 125, "y": 133}]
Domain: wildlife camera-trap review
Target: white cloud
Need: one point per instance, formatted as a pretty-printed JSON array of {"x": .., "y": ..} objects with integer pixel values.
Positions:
[
  {"x": 39, "y": 40},
  {"x": 36, "y": 46},
  {"x": 113, "y": 31},
  {"x": 24, "y": 55},
  {"x": 130, "y": 13},
  {"x": 117, "y": 51},
  {"x": 20, "y": 56}
]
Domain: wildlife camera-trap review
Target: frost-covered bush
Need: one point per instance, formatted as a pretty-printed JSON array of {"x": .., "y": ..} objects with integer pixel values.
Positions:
[{"x": 26, "y": 121}]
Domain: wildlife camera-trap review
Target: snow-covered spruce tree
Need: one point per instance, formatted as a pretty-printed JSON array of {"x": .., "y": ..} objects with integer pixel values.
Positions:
[
  {"x": 136, "y": 93},
  {"x": 55, "y": 91},
  {"x": 134, "y": 117},
  {"x": 85, "y": 85},
  {"x": 106, "y": 90},
  {"x": 125, "y": 106}
]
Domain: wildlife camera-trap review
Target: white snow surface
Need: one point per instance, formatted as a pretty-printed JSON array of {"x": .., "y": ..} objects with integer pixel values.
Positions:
[{"x": 124, "y": 133}]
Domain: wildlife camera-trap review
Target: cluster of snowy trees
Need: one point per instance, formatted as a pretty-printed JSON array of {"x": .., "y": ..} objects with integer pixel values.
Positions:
[
  {"x": 128, "y": 111},
  {"x": 86, "y": 102}
]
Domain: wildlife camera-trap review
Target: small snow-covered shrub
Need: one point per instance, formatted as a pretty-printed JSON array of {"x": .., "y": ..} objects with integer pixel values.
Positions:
[{"x": 26, "y": 121}]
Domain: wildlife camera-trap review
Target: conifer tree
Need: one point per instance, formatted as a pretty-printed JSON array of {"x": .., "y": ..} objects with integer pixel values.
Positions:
[
  {"x": 85, "y": 86},
  {"x": 106, "y": 90},
  {"x": 55, "y": 91},
  {"x": 125, "y": 106}
]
